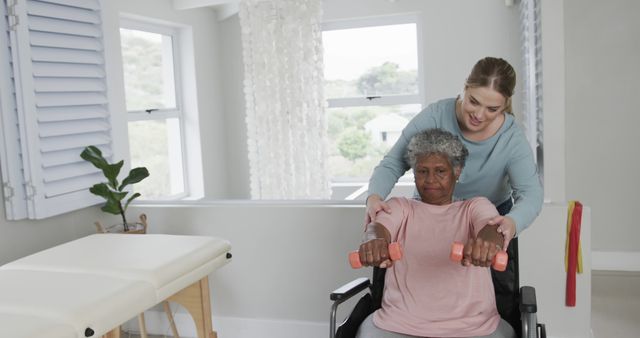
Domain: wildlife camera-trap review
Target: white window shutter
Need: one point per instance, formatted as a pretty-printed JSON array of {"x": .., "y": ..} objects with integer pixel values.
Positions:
[
  {"x": 62, "y": 101},
  {"x": 10, "y": 156}
]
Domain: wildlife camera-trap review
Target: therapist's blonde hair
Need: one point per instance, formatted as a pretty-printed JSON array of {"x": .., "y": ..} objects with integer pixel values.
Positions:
[{"x": 494, "y": 73}]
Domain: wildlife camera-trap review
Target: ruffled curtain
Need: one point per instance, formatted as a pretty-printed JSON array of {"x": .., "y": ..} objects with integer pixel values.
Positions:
[{"x": 285, "y": 106}]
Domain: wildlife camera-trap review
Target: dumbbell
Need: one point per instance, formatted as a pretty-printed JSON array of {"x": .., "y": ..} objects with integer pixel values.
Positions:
[
  {"x": 499, "y": 262},
  {"x": 395, "y": 253}
]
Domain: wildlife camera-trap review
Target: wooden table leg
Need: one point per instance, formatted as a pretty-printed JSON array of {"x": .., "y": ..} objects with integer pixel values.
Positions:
[
  {"x": 195, "y": 298},
  {"x": 172, "y": 323},
  {"x": 115, "y": 333},
  {"x": 142, "y": 325}
]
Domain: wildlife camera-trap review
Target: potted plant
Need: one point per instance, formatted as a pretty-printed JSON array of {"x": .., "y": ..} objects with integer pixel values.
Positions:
[{"x": 113, "y": 191}]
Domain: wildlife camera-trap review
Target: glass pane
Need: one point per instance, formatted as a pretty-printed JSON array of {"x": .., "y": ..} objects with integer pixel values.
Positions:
[
  {"x": 359, "y": 137},
  {"x": 381, "y": 60},
  {"x": 155, "y": 144},
  {"x": 147, "y": 60}
]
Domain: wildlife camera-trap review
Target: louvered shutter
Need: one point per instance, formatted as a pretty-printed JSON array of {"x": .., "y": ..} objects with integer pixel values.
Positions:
[
  {"x": 10, "y": 154},
  {"x": 532, "y": 48},
  {"x": 63, "y": 104}
]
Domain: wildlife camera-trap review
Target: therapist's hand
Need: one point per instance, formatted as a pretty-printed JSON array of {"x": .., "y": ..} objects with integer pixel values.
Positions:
[
  {"x": 375, "y": 204},
  {"x": 506, "y": 226}
]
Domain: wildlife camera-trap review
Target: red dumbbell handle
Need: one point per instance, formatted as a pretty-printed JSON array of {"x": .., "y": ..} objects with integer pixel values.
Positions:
[
  {"x": 395, "y": 253},
  {"x": 499, "y": 262}
]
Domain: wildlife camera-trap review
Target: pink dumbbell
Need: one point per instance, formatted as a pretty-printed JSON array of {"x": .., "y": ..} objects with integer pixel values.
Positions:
[
  {"x": 395, "y": 253},
  {"x": 499, "y": 262}
]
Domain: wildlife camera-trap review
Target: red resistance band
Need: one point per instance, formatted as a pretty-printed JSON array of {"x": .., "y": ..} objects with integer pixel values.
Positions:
[{"x": 574, "y": 240}]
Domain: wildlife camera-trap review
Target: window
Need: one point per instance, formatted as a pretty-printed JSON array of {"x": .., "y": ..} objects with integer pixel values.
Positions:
[
  {"x": 154, "y": 111},
  {"x": 373, "y": 85}
]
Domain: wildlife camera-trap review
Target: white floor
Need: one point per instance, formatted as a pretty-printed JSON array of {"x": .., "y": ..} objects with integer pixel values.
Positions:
[{"x": 615, "y": 304}]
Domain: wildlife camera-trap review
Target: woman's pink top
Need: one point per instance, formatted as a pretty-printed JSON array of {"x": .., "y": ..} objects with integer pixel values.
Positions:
[{"x": 425, "y": 293}]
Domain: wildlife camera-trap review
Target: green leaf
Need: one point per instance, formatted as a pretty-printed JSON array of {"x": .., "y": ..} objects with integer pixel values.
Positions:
[
  {"x": 101, "y": 189},
  {"x": 94, "y": 155},
  {"x": 111, "y": 207},
  {"x": 111, "y": 172},
  {"x": 117, "y": 196},
  {"x": 134, "y": 196},
  {"x": 135, "y": 175}
]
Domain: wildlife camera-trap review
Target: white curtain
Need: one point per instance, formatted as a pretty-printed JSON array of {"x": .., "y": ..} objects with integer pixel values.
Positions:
[{"x": 285, "y": 106}]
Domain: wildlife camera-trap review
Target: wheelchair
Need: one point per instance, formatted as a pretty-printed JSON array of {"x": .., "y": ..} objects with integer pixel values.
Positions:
[{"x": 516, "y": 305}]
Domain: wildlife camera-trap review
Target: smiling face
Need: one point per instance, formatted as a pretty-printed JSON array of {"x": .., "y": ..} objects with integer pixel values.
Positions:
[
  {"x": 435, "y": 179},
  {"x": 481, "y": 112}
]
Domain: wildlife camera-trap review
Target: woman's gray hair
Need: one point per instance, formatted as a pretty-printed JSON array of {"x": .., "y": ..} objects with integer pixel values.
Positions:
[{"x": 436, "y": 141}]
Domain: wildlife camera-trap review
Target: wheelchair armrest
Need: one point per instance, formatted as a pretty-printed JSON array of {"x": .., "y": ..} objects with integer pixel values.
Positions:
[
  {"x": 350, "y": 289},
  {"x": 528, "y": 302}
]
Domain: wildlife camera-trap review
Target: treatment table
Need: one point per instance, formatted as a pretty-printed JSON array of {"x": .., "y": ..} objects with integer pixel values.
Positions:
[{"x": 90, "y": 286}]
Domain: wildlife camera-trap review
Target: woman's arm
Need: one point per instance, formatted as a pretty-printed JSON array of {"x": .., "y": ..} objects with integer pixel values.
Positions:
[{"x": 525, "y": 182}]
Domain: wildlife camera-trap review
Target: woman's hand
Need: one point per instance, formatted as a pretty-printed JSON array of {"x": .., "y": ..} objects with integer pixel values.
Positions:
[
  {"x": 480, "y": 251},
  {"x": 375, "y": 252},
  {"x": 375, "y": 204},
  {"x": 506, "y": 226}
]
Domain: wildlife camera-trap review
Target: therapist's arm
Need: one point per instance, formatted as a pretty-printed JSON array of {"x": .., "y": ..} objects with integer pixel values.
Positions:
[{"x": 525, "y": 182}]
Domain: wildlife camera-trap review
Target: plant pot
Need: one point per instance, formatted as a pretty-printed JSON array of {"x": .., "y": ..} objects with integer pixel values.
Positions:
[{"x": 139, "y": 227}]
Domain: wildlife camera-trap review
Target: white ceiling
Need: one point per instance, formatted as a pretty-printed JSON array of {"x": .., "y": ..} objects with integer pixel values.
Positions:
[
  {"x": 189, "y": 4},
  {"x": 223, "y": 8}
]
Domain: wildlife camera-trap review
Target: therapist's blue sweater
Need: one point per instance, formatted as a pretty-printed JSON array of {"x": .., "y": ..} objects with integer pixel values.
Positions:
[{"x": 497, "y": 168}]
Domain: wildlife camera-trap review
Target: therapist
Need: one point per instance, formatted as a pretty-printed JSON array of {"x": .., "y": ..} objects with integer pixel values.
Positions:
[{"x": 500, "y": 165}]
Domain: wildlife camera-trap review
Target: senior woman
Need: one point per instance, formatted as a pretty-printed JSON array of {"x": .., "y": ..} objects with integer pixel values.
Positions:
[{"x": 426, "y": 294}]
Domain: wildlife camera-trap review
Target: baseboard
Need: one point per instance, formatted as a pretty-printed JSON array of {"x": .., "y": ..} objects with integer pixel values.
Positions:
[
  {"x": 158, "y": 324},
  {"x": 615, "y": 260}
]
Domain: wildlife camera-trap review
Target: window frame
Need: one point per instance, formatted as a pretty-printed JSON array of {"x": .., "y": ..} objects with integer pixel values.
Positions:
[
  {"x": 152, "y": 26},
  {"x": 390, "y": 99},
  {"x": 360, "y": 188}
]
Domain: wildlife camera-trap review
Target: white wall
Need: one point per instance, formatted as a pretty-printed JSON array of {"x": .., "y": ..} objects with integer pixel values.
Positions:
[
  {"x": 21, "y": 238},
  {"x": 237, "y": 158},
  {"x": 287, "y": 259},
  {"x": 602, "y": 73},
  {"x": 553, "y": 102}
]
